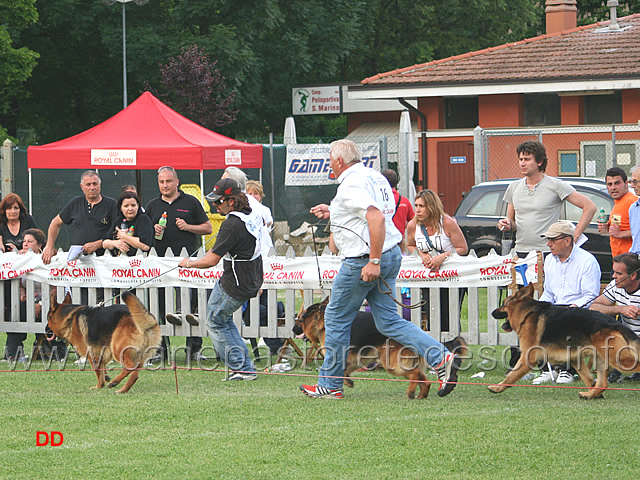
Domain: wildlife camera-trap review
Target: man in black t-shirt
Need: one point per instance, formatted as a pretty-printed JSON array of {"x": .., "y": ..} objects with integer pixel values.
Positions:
[
  {"x": 238, "y": 241},
  {"x": 92, "y": 217},
  {"x": 186, "y": 221}
]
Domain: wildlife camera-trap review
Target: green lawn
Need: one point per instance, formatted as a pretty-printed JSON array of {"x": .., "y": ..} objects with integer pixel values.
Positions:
[{"x": 268, "y": 429}]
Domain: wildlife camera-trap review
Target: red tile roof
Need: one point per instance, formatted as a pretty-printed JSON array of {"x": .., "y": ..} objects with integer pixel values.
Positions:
[{"x": 579, "y": 53}]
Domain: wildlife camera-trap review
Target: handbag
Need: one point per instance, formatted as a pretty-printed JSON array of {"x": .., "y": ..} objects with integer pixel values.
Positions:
[{"x": 507, "y": 242}]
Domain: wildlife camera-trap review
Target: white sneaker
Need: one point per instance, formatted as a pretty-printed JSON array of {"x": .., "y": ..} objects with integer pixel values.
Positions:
[
  {"x": 545, "y": 377},
  {"x": 239, "y": 376},
  {"x": 81, "y": 361},
  {"x": 564, "y": 377}
]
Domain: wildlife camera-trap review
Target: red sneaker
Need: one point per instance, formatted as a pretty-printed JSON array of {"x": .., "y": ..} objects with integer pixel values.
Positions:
[{"x": 316, "y": 391}]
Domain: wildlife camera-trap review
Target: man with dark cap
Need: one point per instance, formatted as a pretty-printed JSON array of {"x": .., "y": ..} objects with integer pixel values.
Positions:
[{"x": 238, "y": 242}]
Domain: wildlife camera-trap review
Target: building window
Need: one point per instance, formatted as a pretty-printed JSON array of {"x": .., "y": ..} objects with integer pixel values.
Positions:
[
  {"x": 603, "y": 109},
  {"x": 460, "y": 112},
  {"x": 541, "y": 109},
  {"x": 568, "y": 162}
]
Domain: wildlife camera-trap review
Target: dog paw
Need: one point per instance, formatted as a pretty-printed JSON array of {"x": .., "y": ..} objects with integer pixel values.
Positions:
[
  {"x": 348, "y": 383},
  {"x": 590, "y": 396},
  {"x": 112, "y": 384},
  {"x": 496, "y": 388}
]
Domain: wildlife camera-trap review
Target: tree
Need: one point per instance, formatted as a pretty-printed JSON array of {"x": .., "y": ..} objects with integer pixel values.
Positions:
[
  {"x": 16, "y": 64},
  {"x": 263, "y": 48},
  {"x": 591, "y": 11},
  {"x": 196, "y": 88}
]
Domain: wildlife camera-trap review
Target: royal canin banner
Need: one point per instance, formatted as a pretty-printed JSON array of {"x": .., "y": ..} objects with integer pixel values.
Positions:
[{"x": 279, "y": 272}]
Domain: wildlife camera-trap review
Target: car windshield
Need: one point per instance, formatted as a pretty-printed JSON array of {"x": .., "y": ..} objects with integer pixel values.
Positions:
[{"x": 487, "y": 205}]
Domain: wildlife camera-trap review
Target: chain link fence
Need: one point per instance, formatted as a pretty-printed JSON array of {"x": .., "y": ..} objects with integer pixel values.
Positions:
[
  {"x": 586, "y": 151},
  {"x": 46, "y": 191}
]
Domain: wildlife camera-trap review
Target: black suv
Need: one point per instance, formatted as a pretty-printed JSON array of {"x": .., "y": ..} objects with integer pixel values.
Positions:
[{"x": 482, "y": 207}]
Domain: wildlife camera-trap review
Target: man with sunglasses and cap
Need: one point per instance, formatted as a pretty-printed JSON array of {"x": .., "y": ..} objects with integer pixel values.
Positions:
[
  {"x": 621, "y": 298},
  {"x": 238, "y": 244}
]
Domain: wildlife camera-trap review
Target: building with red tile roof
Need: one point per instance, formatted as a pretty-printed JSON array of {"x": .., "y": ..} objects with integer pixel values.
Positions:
[{"x": 571, "y": 77}]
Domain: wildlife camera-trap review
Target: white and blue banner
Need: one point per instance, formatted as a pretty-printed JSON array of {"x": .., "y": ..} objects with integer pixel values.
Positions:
[{"x": 308, "y": 164}]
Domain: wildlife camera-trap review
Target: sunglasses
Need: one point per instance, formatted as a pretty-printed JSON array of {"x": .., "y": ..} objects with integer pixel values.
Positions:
[
  {"x": 220, "y": 201},
  {"x": 166, "y": 168}
]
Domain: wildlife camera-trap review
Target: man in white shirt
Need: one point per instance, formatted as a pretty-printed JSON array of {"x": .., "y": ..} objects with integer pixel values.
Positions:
[
  {"x": 362, "y": 226},
  {"x": 571, "y": 277}
]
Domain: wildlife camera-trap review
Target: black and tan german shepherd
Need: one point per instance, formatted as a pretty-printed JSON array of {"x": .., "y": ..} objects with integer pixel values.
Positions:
[
  {"x": 126, "y": 333},
  {"x": 547, "y": 332},
  {"x": 369, "y": 345}
]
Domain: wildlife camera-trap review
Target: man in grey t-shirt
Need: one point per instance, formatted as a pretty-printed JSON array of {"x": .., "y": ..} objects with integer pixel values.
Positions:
[{"x": 535, "y": 201}]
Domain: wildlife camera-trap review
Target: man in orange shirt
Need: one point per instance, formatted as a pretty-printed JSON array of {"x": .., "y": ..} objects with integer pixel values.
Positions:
[{"x": 618, "y": 225}]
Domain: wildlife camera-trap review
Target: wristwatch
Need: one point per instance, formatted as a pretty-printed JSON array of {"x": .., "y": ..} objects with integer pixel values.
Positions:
[{"x": 375, "y": 261}]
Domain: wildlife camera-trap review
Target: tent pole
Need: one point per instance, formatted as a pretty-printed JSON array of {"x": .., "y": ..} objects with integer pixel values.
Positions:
[
  {"x": 139, "y": 183},
  {"x": 202, "y": 200},
  {"x": 30, "y": 194},
  {"x": 273, "y": 187}
]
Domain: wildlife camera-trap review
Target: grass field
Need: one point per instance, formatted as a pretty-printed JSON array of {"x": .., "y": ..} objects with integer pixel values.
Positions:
[{"x": 268, "y": 429}]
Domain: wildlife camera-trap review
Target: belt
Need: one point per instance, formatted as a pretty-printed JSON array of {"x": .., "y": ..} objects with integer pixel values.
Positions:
[{"x": 366, "y": 255}]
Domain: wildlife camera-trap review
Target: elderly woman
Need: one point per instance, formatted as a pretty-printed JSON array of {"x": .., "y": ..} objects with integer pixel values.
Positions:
[{"x": 436, "y": 236}]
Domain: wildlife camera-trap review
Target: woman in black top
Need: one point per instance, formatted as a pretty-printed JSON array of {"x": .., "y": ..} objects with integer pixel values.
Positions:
[
  {"x": 134, "y": 229},
  {"x": 14, "y": 220}
]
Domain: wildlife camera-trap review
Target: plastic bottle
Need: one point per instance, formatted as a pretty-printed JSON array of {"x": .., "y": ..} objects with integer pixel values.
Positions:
[
  {"x": 602, "y": 216},
  {"x": 163, "y": 223},
  {"x": 123, "y": 225}
]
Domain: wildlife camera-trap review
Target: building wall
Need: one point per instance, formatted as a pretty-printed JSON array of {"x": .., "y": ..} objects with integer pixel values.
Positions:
[
  {"x": 354, "y": 120},
  {"x": 631, "y": 106},
  {"x": 496, "y": 111},
  {"x": 572, "y": 110}
]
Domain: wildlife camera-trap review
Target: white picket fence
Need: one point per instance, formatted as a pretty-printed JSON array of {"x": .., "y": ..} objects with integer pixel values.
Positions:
[{"x": 275, "y": 328}]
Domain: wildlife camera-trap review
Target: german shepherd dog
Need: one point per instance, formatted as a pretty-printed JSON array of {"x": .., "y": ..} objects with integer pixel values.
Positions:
[
  {"x": 549, "y": 333},
  {"x": 126, "y": 333},
  {"x": 367, "y": 342}
]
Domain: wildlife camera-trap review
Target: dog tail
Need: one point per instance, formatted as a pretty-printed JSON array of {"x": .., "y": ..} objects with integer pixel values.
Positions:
[{"x": 141, "y": 317}]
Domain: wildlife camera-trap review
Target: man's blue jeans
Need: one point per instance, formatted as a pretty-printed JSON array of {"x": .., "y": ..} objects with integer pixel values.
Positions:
[
  {"x": 226, "y": 339},
  {"x": 347, "y": 296}
]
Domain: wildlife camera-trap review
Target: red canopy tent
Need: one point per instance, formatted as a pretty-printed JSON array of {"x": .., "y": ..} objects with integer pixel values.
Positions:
[{"x": 146, "y": 135}]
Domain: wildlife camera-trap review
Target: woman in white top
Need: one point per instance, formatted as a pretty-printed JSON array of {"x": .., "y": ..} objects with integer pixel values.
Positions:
[
  {"x": 436, "y": 236},
  {"x": 443, "y": 235}
]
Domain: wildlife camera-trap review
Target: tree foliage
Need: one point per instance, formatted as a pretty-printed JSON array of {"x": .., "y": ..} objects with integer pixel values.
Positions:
[
  {"x": 195, "y": 88},
  {"x": 590, "y": 11},
  {"x": 262, "y": 48},
  {"x": 16, "y": 64}
]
